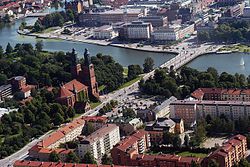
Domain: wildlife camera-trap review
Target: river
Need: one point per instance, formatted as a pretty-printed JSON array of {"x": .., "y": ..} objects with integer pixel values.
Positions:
[
  {"x": 223, "y": 62},
  {"x": 121, "y": 55}
]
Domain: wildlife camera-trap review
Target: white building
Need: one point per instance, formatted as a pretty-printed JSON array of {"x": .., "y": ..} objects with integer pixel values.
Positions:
[
  {"x": 139, "y": 30},
  {"x": 166, "y": 34},
  {"x": 246, "y": 12},
  {"x": 100, "y": 142},
  {"x": 5, "y": 91},
  {"x": 104, "y": 32},
  {"x": 190, "y": 111},
  {"x": 163, "y": 110}
]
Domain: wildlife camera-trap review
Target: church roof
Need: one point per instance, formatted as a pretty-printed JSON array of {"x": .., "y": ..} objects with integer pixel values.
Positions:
[
  {"x": 64, "y": 92},
  {"x": 74, "y": 84}
]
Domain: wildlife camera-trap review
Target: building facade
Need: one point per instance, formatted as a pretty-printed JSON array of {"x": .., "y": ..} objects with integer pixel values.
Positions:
[
  {"x": 190, "y": 110},
  {"x": 104, "y": 32},
  {"x": 5, "y": 91},
  {"x": 100, "y": 142},
  {"x": 230, "y": 153},
  {"x": 139, "y": 30}
]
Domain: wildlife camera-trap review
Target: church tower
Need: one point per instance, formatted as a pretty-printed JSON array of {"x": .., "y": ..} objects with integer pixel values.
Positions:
[
  {"x": 88, "y": 75},
  {"x": 75, "y": 67}
]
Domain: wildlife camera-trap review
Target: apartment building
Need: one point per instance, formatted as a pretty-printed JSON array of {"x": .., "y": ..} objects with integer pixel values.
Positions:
[
  {"x": 230, "y": 153},
  {"x": 100, "y": 142},
  {"x": 221, "y": 94},
  {"x": 139, "y": 30},
  {"x": 137, "y": 143},
  {"x": 191, "y": 110},
  {"x": 130, "y": 152},
  {"x": 28, "y": 163},
  {"x": 156, "y": 129},
  {"x": 65, "y": 134},
  {"x": 5, "y": 91}
]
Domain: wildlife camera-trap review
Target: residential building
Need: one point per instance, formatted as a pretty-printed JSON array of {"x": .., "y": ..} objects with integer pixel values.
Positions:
[
  {"x": 110, "y": 16},
  {"x": 19, "y": 85},
  {"x": 75, "y": 5},
  {"x": 246, "y": 11},
  {"x": 191, "y": 110},
  {"x": 137, "y": 143},
  {"x": 104, "y": 32},
  {"x": 163, "y": 110},
  {"x": 230, "y": 153},
  {"x": 156, "y": 129},
  {"x": 5, "y": 91},
  {"x": 163, "y": 160},
  {"x": 235, "y": 11},
  {"x": 221, "y": 94},
  {"x": 28, "y": 163},
  {"x": 156, "y": 21},
  {"x": 127, "y": 125},
  {"x": 130, "y": 152},
  {"x": 139, "y": 30},
  {"x": 83, "y": 87},
  {"x": 64, "y": 134},
  {"x": 99, "y": 142}
]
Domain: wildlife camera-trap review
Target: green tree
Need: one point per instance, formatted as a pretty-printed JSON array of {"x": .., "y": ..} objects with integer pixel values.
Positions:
[
  {"x": 9, "y": 49},
  {"x": 194, "y": 164},
  {"x": 1, "y": 52},
  {"x": 213, "y": 163},
  {"x": 186, "y": 140},
  {"x": 168, "y": 138},
  {"x": 3, "y": 79},
  {"x": 88, "y": 128},
  {"x": 58, "y": 120},
  {"x": 29, "y": 117},
  {"x": 106, "y": 160},
  {"x": 89, "y": 159},
  {"x": 22, "y": 25},
  {"x": 37, "y": 26},
  {"x": 176, "y": 141},
  {"x": 134, "y": 71},
  {"x": 54, "y": 157},
  {"x": 72, "y": 158},
  {"x": 71, "y": 15},
  {"x": 148, "y": 65},
  {"x": 71, "y": 112},
  {"x": 129, "y": 113},
  {"x": 39, "y": 46}
]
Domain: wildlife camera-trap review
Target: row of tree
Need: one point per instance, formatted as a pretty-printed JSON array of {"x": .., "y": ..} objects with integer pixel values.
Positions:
[
  {"x": 167, "y": 82},
  {"x": 236, "y": 31}
]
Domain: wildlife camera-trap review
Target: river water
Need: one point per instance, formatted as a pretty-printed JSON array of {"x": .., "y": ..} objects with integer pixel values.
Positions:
[
  {"x": 121, "y": 55},
  {"x": 223, "y": 63}
]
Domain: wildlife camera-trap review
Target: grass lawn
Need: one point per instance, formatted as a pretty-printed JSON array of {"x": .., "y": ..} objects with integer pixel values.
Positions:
[
  {"x": 239, "y": 48},
  {"x": 129, "y": 82},
  {"x": 101, "y": 87},
  {"x": 125, "y": 71},
  {"x": 94, "y": 104},
  {"x": 190, "y": 154}
]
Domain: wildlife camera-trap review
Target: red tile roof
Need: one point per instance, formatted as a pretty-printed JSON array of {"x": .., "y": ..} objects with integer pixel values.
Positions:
[
  {"x": 64, "y": 92},
  {"x": 22, "y": 163},
  {"x": 74, "y": 83}
]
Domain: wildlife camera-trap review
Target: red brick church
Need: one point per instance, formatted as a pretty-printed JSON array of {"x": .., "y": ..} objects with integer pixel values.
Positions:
[{"x": 83, "y": 87}]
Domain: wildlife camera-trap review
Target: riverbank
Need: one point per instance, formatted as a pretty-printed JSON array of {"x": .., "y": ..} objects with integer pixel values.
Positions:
[
  {"x": 240, "y": 48},
  {"x": 133, "y": 46}
]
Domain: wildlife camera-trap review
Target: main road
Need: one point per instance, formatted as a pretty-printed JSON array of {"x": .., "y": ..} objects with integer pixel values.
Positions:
[{"x": 187, "y": 52}]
